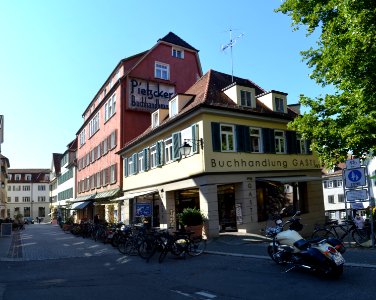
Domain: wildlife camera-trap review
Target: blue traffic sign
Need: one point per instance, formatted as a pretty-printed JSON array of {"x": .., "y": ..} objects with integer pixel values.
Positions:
[{"x": 355, "y": 178}]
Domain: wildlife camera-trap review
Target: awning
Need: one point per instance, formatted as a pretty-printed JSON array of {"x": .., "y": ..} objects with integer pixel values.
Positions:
[
  {"x": 128, "y": 196},
  {"x": 80, "y": 205},
  {"x": 289, "y": 179},
  {"x": 106, "y": 194},
  {"x": 86, "y": 197}
]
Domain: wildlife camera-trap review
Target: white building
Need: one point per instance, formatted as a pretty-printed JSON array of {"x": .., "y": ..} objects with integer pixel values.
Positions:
[
  {"x": 28, "y": 193},
  {"x": 63, "y": 178}
]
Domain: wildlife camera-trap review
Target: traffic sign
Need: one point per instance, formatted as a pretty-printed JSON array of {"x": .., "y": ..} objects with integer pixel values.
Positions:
[
  {"x": 353, "y": 163},
  {"x": 355, "y": 178},
  {"x": 357, "y": 195}
]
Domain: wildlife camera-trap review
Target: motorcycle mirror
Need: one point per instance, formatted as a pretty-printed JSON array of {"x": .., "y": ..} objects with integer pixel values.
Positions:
[
  {"x": 297, "y": 213},
  {"x": 278, "y": 222}
]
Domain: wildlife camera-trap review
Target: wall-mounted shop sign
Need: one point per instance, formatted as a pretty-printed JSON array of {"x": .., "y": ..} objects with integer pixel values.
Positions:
[{"x": 148, "y": 95}]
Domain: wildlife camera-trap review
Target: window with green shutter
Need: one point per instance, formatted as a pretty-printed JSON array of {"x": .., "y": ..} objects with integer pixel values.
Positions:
[{"x": 176, "y": 144}]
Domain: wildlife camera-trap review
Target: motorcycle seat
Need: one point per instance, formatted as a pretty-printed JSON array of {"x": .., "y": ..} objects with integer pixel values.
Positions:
[{"x": 302, "y": 244}]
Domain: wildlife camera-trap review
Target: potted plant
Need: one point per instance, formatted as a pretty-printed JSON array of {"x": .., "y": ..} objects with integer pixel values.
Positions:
[{"x": 192, "y": 219}]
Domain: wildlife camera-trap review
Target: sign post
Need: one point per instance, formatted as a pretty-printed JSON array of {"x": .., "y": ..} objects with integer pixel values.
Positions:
[{"x": 356, "y": 186}]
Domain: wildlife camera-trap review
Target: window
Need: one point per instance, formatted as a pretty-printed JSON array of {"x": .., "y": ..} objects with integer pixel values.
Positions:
[
  {"x": 328, "y": 184},
  {"x": 28, "y": 177},
  {"x": 26, "y": 212},
  {"x": 17, "y": 177},
  {"x": 279, "y": 104},
  {"x": 16, "y": 188},
  {"x": 173, "y": 107},
  {"x": 26, "y": 188},
  {"x": 141, "y": 161},
  {"x": 178, "y": 53},
  {"x": 227, "y": 138},
  {"x": 16, "y": 199},
  {"x": 279, "y": 137},
  {"x": 168, "y": 150},
  {"x": 331, "y": 199},
  {"x": 9, "y": 199},
  {"x": 153, "y": 156},
  {"x": 112, "y": 142},
  {"x": 255, "y": 136},
  {"x": 343, "y": 215},
  {"x": 113, "y": 173},
  {"x": 245, "y": 98},
  {"x": 25, "y": 199},
  {"x": 41, "y": 187},
  {"x": 341, "y": 198},
  {"x": 9, "y": 187},
  {"x": 332, "y": 215},
  {"x": 9, "y": 176},
  {"x": 339, "y": 183},
  {"x": 94, "y": 125},
  {"x": 162, "y": 71},
  {"x": 82, "y": 137},
  {"x": 110, "y": 108},
  {"x": 155, "y": 119},
  {"x": 301, "y": 144},
  {"x": 41, "y": 199}
]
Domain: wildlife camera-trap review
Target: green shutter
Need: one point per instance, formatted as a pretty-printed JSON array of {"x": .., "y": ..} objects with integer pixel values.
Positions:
[
  {"x": 176, "y": 144},
  {"x": 216, "y": 137},
  {"x": 291, "y": 142},
  {"x": 125, "y": 167},
  {"x": 268, "y": 140},
  {"x": 146, "y": 159},
  {"x": 159, "y": 148},
  {"x": 243, "y": 141},
  {"x": 135, "y": 161}
]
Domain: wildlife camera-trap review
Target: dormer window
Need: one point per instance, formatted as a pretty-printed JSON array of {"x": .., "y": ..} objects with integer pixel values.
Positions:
[
  {"x": 178, "y": 53},
  {"x": 173, "y": 107},
  {"x": 279, "y": 105},
  {"x": 17, "y": 177},
  {"x": 245, "y": 98},
  {"x": 155, "y": 119},
  {"x": 28, "y": 177}
]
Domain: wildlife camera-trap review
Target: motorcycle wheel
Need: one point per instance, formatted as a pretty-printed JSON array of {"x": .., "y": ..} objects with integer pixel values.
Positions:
[{"x": 271, "y": 252}]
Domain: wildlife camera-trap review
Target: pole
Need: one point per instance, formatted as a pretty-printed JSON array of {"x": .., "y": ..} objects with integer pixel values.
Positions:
[{"x": 371, "y": 204}]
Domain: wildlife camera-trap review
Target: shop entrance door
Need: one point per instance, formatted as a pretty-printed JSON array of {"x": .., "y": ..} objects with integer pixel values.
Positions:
[{"x": 226, "y": 208}]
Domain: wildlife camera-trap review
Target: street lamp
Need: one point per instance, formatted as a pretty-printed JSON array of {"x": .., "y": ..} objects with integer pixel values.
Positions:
[{"x": 185, "y": 149}]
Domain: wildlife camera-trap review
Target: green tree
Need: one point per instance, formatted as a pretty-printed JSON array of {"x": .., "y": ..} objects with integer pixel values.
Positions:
[{"x": 345, "y": 58}]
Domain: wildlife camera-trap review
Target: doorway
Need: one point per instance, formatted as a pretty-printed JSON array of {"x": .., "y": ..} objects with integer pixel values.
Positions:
[{"x": 226, "y": 208}]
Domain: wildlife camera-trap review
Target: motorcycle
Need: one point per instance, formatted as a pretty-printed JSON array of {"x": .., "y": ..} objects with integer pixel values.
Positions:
[{"x": 322, "y": 255}]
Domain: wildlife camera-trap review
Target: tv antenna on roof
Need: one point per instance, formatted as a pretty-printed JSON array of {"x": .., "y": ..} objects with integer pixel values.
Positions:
[{"x": 229, "y": 45}]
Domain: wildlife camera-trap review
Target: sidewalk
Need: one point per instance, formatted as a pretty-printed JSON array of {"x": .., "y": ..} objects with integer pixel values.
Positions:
[{"x": 19, "y": 246}]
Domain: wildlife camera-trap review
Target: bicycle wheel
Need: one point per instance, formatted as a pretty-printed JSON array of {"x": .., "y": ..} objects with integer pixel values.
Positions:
[
  {"x": 163, "y": 254},
  {"x": 121, "y": 247},
  {"x": 196, "y": 246},
  {"x": 146, "y": 248},
  {"x": 179, "y": 246},
  {"x": 322, "y": 233},
  {"x": 361, "y": 236}
]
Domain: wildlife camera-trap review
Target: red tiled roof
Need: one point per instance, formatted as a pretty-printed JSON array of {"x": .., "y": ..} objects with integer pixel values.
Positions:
[{"x": 208, "y": 92}]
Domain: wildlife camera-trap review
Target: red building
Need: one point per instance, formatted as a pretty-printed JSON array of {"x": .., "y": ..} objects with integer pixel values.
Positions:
[{"x": 119, "y": 112}]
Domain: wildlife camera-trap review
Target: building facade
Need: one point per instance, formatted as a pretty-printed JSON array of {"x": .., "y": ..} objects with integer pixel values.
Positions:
[
  {"x": 119, "y": 112},
  {"x": 4, "y": 165},
  {"x": 63, "y": 182},
  {"x": 29, "y": 193},
  {"x": 223, "y": 146}
]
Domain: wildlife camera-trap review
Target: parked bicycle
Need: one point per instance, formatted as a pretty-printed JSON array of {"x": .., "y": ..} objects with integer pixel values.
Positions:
[{"x": 340, "y": 231}]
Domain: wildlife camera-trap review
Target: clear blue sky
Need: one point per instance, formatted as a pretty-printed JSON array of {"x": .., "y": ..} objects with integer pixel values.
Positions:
[{"x": 56, "y": 54}]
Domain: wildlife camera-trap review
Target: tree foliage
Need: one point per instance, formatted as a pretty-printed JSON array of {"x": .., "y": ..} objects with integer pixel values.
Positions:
[{"x": 345, "y": 58}]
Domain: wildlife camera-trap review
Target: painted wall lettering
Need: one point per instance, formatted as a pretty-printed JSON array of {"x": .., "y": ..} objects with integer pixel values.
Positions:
[{"x": 148, "y": 95}]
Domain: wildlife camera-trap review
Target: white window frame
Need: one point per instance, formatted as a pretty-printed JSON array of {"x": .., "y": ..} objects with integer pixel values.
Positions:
[
  {"x": 178, "y": 53},
  {"x": 153, "y": 156},
  {"x": 155, "y": 119},
  {"x": 279, "y": 104},
  {"x": 162, "y": 70},
  {"x": 331, "y": 199},
  {"x": 257, "y": 137},
  {"x": 28, "y": 177},
  {"x": 94, "y": 125},
  {"x": 245, "y": 98},
  {"x": 173, "y": 107},
  {"x": 17, "y": 177},
  {"x": 168, "y": 150},
  {"x": 110, "y": 107},
  {"x": 227, "y": 138},
  {"x": 82, "y": 137},
  {"x": 301, "y": 144},
  {"x": 280, "y": 141},
  {"x": 141, "y": 161}
]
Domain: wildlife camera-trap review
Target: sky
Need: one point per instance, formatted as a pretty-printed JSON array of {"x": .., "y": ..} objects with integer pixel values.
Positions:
[{"x": 56, "y": 54}]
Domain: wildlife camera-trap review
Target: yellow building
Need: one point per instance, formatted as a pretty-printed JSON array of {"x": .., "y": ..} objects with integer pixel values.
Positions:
[{"x": 223, "y": 147}]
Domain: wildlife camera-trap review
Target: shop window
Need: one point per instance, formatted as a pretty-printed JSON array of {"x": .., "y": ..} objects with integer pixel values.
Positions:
[{"x": 272, "y": 197}]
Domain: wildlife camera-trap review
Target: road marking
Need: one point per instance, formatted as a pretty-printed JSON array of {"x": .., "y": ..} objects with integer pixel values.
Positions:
[{"x": 206, "y": 294}]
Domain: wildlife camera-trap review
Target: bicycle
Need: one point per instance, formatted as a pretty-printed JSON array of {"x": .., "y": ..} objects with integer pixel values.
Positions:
[{"x": 332, "y": 229}]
